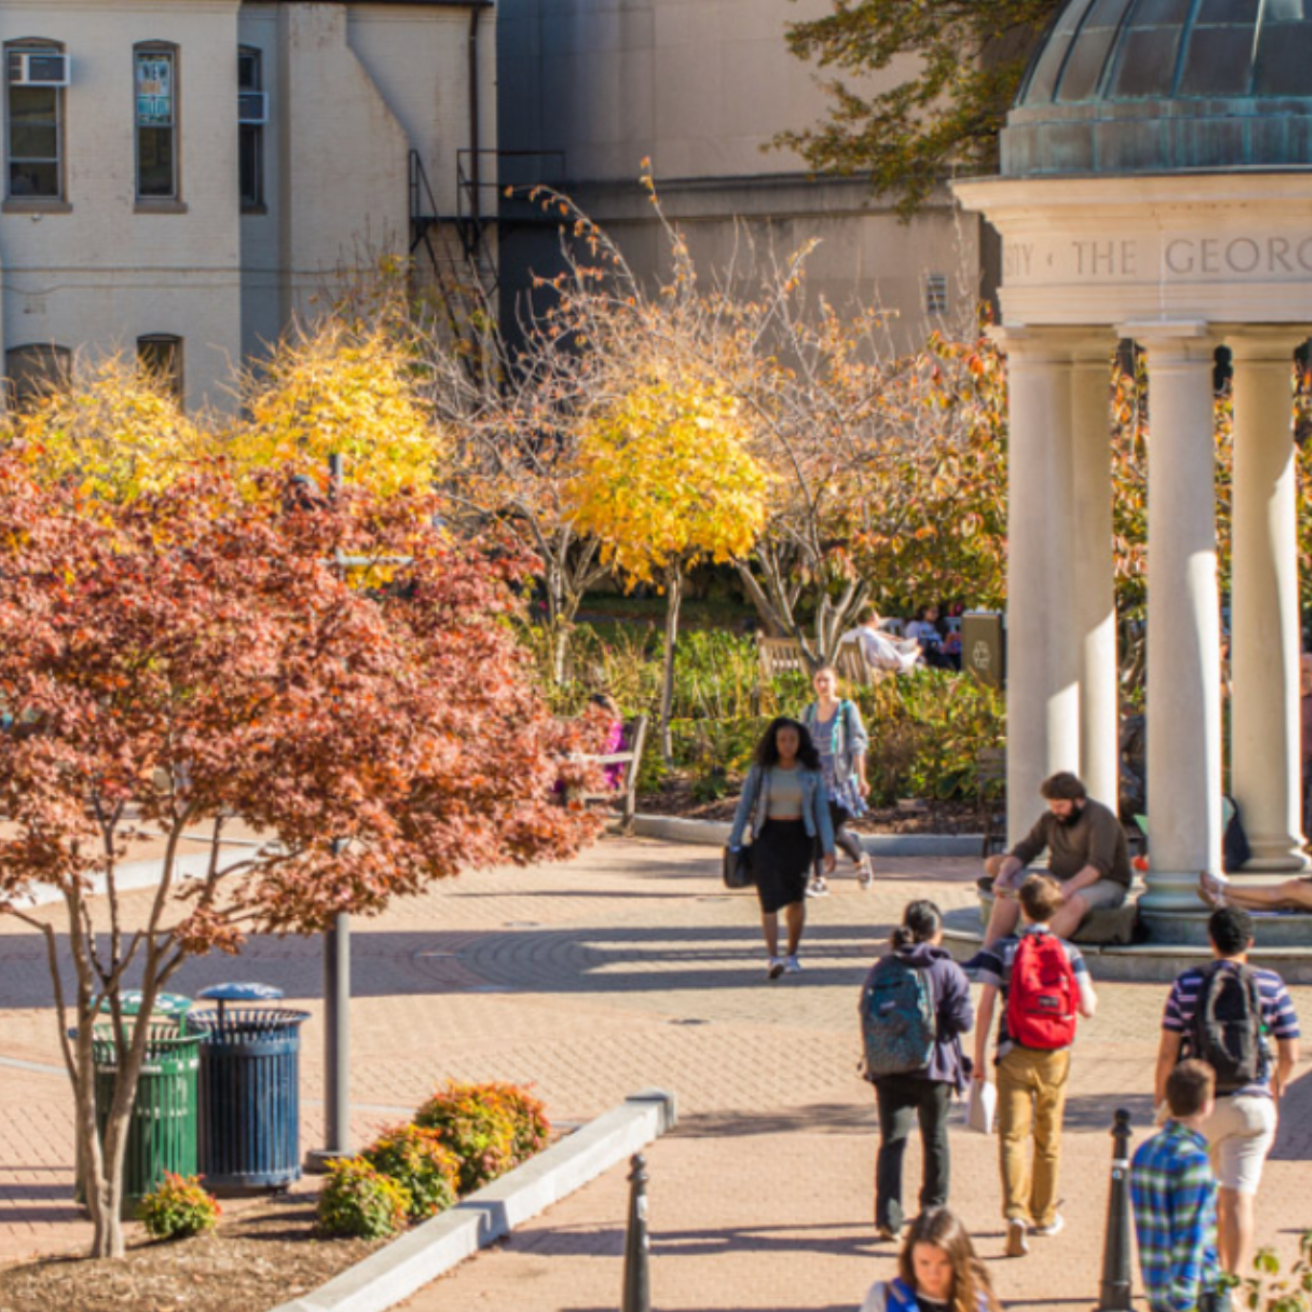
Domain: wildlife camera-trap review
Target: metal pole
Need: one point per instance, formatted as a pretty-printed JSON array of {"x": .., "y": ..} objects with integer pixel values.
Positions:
[
  {"x": 637, "y": 1277},
  {"x": 1117, "y": 1283},
  {"x": 336, "y": 1002}
]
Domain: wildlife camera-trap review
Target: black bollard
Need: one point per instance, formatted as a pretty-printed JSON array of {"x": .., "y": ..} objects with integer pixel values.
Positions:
[
  {"x": 1117, "y": 1281},
  {"x": 637, "y": 1278}
]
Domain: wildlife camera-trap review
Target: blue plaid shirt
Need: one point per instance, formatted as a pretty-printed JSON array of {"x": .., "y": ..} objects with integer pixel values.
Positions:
[{"x": 1174, "y": 1195}]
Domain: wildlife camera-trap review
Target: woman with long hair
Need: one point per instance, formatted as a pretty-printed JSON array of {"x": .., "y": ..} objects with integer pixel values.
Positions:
[
  {"x": 937, "y": 1271},
  {"x": 841, "y": 739},
  {"x": 785, "y": 804},
  {"x": 925, "y": 1095}
]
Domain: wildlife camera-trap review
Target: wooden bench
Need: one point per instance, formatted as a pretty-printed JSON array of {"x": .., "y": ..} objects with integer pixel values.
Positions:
[
  {"x": 785, "y": 655},
  {"x": 630, "y": 757}
]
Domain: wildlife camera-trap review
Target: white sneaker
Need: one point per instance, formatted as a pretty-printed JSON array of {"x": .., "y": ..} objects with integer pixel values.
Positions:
[
  {"x": 775, "y": 968},
  {"x": 1017, "y": 1245},
  {"x": 1054, "y": 1227},
  {"x": 791, "y": 964},
  {"x": 817, "y": 888}
]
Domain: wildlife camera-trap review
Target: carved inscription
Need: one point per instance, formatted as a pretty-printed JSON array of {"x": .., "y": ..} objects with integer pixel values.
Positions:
[{"x": 1118, "y": 259}]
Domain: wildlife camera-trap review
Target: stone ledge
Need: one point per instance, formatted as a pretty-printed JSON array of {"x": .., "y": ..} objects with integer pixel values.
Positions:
[
  {"x": 1143, "y": 962},
  {"x": 715, "y": 833},
  {"x": 415, "y": 1259}
]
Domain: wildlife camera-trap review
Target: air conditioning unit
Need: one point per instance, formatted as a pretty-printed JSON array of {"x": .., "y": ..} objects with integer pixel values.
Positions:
[
  {"x": 253, "y": 107},
  {"x": 37, "y": 68}
]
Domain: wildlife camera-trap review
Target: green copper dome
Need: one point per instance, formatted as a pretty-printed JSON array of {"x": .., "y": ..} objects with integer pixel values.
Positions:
[{"x": 1166, "y": 86}]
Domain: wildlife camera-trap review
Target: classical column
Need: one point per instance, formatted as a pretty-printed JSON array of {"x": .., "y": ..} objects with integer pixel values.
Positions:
[
  {"x": 1264, "y": 620},
  {"x": 1042, "y": 653},
  {"x": 1184, "y": 637},
  {"x": 1093, "y": 568}
]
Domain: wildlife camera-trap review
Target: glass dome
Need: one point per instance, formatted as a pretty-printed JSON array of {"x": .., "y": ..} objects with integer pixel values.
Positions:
[{"x": 1166, "y": 86}]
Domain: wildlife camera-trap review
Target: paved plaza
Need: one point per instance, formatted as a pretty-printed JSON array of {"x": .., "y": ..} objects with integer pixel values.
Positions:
[{"x": 627, "y": 968}]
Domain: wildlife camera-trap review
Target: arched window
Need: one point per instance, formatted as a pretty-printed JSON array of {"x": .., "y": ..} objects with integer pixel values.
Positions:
[
  {"x": 36, "y": 73},
  {"x": 160, "y": 356},
  {"x": 155, "y": 80},
  {"x": 32, "y": 372}
]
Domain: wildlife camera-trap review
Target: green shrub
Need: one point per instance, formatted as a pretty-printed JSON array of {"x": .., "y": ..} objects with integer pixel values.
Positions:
[
  {"x": 490, "y": 1128},
  {"x": 415, "y": 1157},
  {"x": 1267, "y": 1291},
  {"x": 178, "y": 1208},
  {"x": 358, "y": 1201}
]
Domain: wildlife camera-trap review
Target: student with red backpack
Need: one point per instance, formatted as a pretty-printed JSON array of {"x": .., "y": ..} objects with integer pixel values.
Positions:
[
  {"x": 1225, "y": 1014},
  {"x": 915, "y": 1006},
  {"x": 1044, "y": 983}
]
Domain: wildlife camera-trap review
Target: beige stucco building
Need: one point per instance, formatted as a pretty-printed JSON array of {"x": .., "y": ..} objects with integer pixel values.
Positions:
[
  {"x": 591, "y": 88},
  {"x": 185, "y": 176}
]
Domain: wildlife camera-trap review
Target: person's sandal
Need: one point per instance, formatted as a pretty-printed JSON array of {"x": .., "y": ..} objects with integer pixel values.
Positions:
[{"x": 1211, "y": 889}]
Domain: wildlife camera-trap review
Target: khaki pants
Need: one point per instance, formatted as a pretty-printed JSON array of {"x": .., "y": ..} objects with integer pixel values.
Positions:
[{"x": 1031, "y": 1095}]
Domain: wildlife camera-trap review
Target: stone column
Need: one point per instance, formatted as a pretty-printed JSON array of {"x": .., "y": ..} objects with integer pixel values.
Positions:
[
  {"x": 1264, "y": 620},
  {"x": 1093, "y": 594},
  {"x": 1184, "y": 638},
  {"x": 1042, "y": 653}
]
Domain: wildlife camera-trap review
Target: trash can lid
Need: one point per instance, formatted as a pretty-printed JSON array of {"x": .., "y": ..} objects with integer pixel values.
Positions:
[
  {"x": 166, "y": 1004},
  {"x": 241, "y": 992}
]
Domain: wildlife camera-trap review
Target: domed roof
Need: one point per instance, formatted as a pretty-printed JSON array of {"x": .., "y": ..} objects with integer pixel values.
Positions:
[{"x": 1166, "y": 86}]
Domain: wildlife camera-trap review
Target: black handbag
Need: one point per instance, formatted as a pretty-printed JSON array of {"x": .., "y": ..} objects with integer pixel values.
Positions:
[{"x": 738, "y": 867}]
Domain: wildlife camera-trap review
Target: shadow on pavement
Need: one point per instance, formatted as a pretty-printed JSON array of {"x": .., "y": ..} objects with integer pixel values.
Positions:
[
  {"x": 823, "y": 1118},
  {"x": 1096, "y": 1111}
]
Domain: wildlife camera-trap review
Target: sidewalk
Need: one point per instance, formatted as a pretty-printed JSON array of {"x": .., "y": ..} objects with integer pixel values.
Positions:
[{"x": 626, "y": 968}]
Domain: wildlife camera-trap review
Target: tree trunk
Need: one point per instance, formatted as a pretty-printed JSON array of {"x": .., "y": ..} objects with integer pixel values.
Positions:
[{"x": 673, "y": 596}]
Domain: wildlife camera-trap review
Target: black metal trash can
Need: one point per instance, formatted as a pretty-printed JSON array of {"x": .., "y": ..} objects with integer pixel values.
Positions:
[{"x": 249, "y": 1139}]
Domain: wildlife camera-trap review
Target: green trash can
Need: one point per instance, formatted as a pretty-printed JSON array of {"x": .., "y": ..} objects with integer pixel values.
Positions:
[{"x": 162, "y": 1128}]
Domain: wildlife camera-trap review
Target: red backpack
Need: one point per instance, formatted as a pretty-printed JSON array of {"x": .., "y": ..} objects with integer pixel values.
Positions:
[{"x": 1041, "y": 996}]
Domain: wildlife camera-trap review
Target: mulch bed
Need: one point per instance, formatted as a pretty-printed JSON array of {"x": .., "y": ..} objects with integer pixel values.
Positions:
[
  {"x": 263, "y": 1253},
  {"x": 675, "y": 798}
]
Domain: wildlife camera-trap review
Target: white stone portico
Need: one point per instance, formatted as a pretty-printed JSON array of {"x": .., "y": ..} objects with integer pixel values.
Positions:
[{"x": 1181, "y": 264}]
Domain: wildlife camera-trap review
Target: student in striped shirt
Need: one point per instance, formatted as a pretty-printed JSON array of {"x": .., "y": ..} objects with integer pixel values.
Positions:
[
  {"x": 1242, "y": 1127},
  {"x": 1174, "y": 1195}
]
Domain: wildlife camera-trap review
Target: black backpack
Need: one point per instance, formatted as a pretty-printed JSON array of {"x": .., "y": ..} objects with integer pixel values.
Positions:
[{"x": 1226, "y": 1029}]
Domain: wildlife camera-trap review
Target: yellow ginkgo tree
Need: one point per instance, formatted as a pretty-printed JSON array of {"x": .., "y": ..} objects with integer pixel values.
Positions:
[
  {"x": 337, "y": 390},
  {"x": 113, "y": 432},
  {"x": 665, "y": 480}
]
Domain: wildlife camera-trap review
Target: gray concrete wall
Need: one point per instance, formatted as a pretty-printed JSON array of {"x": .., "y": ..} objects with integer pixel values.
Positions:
[{"x": 699, "y": 88}]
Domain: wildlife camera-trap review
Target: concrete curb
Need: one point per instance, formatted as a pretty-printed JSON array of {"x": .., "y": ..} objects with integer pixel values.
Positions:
[
  {"x": 133, "y": 875},
  {"x": 433, "y": 1248},
  {"x": 715, "y": 833}
]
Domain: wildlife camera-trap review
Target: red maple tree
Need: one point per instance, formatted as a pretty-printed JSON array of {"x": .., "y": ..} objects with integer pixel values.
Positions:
[{"x": 198, "y": 655}]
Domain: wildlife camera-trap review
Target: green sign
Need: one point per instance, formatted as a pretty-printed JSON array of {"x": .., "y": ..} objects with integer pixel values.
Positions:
[{"x": 154, "y": 90}]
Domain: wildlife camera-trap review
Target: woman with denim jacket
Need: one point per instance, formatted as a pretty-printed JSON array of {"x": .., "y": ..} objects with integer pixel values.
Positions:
[
  {"x": 784, "y": 800},
  {"x": 841, "y": 739}
]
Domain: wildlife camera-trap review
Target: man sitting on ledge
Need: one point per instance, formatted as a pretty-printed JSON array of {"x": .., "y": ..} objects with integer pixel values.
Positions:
[{"x": 1087, "y": 856}]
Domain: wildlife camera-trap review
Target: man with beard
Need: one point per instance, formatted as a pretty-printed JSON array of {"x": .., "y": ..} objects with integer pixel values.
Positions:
[{"x": 1087, "y": 856}]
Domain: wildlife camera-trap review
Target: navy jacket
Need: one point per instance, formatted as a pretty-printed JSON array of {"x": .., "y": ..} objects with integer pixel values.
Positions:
[{"x": 955, "y": 1013}]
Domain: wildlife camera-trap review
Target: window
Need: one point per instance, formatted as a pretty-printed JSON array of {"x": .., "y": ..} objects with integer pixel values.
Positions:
[
  {"x": 32, "y": 372},
  {"x": 35, "y": 72},
  {"x": 157, "y": 122},
  {"x": 936, "y": 293},
  {"x": 251, "y": 115},
  {"x": 160, "y": 357}
]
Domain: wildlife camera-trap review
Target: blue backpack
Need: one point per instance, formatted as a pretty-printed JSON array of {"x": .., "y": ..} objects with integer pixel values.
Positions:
[{"x": 898, "y": 1024}]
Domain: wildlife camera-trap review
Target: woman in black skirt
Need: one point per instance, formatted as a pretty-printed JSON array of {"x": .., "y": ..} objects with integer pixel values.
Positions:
[{"x": 785, "y": 803}]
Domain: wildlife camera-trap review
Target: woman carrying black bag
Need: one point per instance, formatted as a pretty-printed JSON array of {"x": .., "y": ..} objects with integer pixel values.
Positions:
[{"x": 784, "y": 800}]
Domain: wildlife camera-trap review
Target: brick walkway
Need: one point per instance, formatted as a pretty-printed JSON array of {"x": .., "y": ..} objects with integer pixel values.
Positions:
[{"x": 626, "y": 968}]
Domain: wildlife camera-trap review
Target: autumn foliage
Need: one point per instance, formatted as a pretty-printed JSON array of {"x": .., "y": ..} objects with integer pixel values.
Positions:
[{"x": 194, "y": 655}]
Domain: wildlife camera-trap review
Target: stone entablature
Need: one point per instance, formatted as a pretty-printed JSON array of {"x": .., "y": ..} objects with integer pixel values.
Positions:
[{"x": 1231, "y": 248}]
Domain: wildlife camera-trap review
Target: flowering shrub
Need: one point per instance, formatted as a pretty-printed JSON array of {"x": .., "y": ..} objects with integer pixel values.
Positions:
[
  {"x": 489, "y": 1127},
  {"x": 359, "y": 1201},
  {"x": 526, "y": 1113},
  {"x": 178, "y": 1208},
  {"x": 414, "y": 1157}
]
